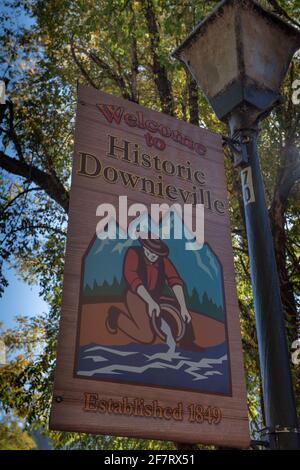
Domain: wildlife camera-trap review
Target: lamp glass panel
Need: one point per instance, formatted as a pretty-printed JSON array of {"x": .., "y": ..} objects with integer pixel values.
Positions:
[
  {"x": 267, "y": 50},
  {"x": 212, "y": 57}
]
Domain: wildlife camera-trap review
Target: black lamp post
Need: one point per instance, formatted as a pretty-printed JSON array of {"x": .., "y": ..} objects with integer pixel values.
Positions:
[{"x": 239, "y": 56}]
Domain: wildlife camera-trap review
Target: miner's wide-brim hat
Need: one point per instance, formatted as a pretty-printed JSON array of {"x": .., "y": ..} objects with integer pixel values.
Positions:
[{"x": 156, "y": 245}]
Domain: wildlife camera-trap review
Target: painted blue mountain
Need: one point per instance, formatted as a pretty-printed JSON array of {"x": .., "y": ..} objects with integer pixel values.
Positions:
[{"x": 200, "y": 269}]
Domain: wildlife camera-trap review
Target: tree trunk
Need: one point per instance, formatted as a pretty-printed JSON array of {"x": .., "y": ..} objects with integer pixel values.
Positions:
[
  {"x": 193, "y": 101},
  {"x": 288, "y": 174},
  {"x": 134, "y": 59},
  {"x": 286, "y": 289},
  {"x": 161, "y": 79}
]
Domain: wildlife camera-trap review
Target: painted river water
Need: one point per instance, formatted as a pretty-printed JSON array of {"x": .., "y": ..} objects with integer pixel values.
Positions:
[{"x": 164, "y": 365}]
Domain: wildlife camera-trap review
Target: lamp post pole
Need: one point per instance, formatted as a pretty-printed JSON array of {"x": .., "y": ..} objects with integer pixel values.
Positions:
[{"x": 279, "y": 402}]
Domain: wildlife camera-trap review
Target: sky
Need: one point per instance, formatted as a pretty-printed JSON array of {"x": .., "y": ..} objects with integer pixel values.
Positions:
[{"x": 19, "y": 299}]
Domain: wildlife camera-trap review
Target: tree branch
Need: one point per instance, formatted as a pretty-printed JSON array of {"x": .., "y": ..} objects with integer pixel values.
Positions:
[
  {"x": 118, "y": 79},
  {"x": 280, "y": 11},
  {"x": 12, "y": 201},
  {"x": 11, "y": 131},
  {"x": 46, "y": 227},
  {"x": 81, "y": 68},
  {"x": 49, "y": 183}
]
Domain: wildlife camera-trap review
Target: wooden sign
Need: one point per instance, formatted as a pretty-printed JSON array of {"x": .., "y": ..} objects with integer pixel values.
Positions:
[{"x": 149, "y": 342}]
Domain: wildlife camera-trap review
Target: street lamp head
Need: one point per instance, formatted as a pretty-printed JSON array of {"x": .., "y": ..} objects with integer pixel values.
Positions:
[{"x": 239, "y": 55}]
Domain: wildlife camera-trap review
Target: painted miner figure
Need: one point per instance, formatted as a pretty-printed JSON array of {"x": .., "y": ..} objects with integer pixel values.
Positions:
[{"x": 147, "y": 270}]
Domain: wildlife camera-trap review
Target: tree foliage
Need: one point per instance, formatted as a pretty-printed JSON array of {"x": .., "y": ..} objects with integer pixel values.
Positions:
[
  {"x": 13, "y": 437},
  {"x": 121, "y": 47}
]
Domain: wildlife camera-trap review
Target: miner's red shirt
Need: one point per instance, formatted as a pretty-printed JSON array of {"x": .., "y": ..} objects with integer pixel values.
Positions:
[{"x": 133, "y": 279}]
